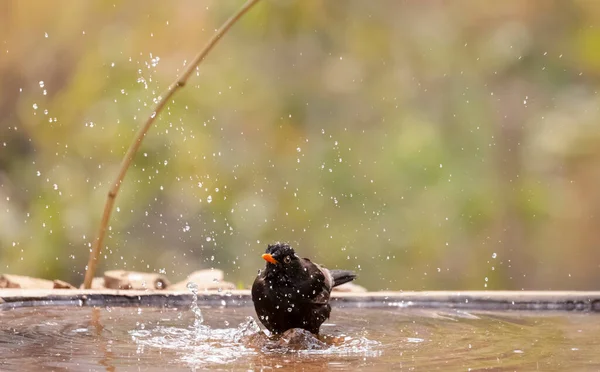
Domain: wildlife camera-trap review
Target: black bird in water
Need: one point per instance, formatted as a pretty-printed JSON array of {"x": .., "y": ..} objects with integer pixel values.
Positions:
[{"x": 293, "y": 292}]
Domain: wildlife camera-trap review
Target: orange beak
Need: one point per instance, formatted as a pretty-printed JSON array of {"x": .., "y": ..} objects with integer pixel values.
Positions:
[{"x": 269, "y": 258}]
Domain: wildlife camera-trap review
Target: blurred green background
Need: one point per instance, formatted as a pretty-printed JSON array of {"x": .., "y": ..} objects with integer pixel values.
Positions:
[{"x": 425, "y": 144}]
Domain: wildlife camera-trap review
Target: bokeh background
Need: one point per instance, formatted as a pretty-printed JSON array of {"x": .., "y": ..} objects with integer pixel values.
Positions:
[{"x": 425, "y": 144}]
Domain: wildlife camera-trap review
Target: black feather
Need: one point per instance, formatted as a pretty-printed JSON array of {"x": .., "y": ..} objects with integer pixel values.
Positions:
[
  {"x": 342, "y": 276},
  {"x": 293, "y": 292}
]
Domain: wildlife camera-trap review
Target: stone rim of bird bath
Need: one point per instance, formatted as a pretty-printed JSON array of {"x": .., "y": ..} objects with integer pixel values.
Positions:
[{"x": 576, "y": 301}]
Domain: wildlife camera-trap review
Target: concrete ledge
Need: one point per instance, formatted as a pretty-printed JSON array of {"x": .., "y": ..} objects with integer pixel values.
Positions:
[{"x": 468, "y": 300}]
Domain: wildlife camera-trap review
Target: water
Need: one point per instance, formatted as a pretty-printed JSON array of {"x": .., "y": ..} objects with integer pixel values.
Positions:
[{"x": 150, "y": 339}]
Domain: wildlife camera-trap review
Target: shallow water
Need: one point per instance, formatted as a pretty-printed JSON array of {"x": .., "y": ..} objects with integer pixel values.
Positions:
[{"x": 132, "y": 339}]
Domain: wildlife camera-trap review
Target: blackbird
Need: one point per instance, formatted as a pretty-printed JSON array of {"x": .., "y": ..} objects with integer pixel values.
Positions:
[{"x": 293, "y": 292}]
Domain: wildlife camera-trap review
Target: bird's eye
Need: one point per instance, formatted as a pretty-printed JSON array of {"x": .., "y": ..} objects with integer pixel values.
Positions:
[{"x": 287, "y": 259}]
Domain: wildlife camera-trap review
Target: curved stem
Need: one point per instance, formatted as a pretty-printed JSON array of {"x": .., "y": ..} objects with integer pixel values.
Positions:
[{"x": 135, "y": 145}]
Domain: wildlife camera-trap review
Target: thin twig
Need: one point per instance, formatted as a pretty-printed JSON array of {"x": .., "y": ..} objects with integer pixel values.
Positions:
[{"x": 135, "y": 145}]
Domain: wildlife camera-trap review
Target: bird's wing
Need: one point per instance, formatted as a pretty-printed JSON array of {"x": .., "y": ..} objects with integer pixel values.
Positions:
[
  {"x": 329, "y": 280},
  {"x": 320, "y": 284}
]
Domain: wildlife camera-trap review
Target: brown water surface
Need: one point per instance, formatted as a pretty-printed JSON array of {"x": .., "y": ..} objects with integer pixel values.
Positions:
[{"x": 132, "y": 339}]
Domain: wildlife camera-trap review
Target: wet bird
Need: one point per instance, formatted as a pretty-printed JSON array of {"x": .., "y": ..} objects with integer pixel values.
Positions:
[{"x": 293, "y": 292}]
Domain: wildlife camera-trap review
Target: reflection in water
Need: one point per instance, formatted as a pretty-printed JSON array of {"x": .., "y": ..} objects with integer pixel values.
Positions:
[
  {"x": 113, "y": 339},
  {"x": 104, "y": 345}
]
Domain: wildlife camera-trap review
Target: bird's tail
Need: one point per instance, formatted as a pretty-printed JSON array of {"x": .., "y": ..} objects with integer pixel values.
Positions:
[{"x": 342, "y": 276}]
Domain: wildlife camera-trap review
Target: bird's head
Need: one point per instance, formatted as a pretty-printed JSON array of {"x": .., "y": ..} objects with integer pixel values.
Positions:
[{"x": 280, "y": 256}]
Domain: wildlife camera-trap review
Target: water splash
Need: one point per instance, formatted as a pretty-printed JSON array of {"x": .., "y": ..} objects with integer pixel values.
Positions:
[
  {"x": 201, "y": 331},
  {"x": 199, "y": 319},
  {"x": 247, "y": 328},
  {"x": 200, "y": 344},
  {"x": 207, "y": 346}
]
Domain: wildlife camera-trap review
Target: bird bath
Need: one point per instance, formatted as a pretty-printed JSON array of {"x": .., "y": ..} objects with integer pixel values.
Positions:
[{"x": 141, "y": 330}]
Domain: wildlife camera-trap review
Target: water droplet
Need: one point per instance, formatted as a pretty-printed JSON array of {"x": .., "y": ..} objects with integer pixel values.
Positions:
[{"x": 192, "y": 287}]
